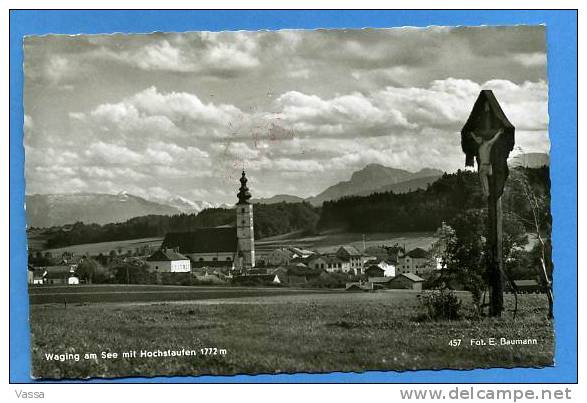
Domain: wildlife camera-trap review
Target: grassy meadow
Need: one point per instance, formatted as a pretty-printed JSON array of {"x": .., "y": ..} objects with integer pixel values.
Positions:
[
  {"x": 329, "y": 241},
  {"x": 320, "y": 332},
  {"x": 94, "y": 249}
]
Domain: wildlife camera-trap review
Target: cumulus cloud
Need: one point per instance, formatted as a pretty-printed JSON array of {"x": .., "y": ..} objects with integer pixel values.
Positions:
[
  {"x": 531, "y": 59},
  {"x": 150, "y": 113},
  {"x": 172, "y": 114},
  {"x": 208, "y": 53}
]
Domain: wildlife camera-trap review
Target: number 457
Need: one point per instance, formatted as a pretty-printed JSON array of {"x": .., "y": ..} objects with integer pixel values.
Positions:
[{"x": 454, "y": 342}]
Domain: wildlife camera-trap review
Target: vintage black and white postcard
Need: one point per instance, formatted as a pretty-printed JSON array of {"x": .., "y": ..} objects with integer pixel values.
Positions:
[{"x": 260, "y": 202}]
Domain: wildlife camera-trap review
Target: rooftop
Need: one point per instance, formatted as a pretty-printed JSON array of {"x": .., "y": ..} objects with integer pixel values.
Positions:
[
  {"x": 413, "y": 277},
  {"x": 351, "y": 250},
  {"x": 417, "y": 253},
  {"x": 166, "y": 255}
]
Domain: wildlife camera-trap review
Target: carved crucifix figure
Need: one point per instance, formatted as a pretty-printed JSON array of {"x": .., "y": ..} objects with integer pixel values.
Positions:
[{"x": 484, "y": 159}]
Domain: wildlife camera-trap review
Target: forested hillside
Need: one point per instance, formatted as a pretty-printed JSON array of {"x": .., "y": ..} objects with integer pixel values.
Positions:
[
  {"x": 425, "y": 210},
  {"x": 272, "y": 219}
]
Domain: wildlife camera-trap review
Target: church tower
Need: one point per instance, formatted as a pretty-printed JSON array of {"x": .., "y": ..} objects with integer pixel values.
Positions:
[{"x": 244, "y": 227}]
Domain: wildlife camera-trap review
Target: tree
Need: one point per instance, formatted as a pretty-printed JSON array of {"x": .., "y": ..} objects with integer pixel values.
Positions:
[
  {"x": 86, "y": 269},
  {"x": 462, "y": 249},
  {"x": 129, "y": 273},
  {"x": 540, "y": 222},
  {"x": 442, "y": 248}
]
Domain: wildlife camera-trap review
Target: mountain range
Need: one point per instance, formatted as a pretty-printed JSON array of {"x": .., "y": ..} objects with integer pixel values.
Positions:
[
  {"x": 377, "y": 178},
  {"x": 46, "y": 210}
]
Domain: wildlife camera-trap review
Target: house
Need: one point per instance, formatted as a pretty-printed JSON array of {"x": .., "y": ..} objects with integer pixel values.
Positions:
[
  {"x": 73, "y": 280},
  {"x": 287, "y": 255},
  {"x": 406, "y": 281},
  {"x": 381, "y": 269},
  {"x": 388, "y": 268},
  {"x": 35, "y": 276},
  {"x": 374, "y": 271},
  {"x": 169, "y": 261},
  {"x": 301, "y": 253},
  {"x": 30, "y": 273},
  {"x": 59, "y": 275},
  {"x": 39, "y": 277},
  {"x": 350, "y": 254},
  {"x": 416, "y": 261},
  {"x": 329, "y": 263}
]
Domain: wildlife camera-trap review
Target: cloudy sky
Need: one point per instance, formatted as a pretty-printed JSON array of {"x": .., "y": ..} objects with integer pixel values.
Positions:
[{"x": 180, "y": 114}]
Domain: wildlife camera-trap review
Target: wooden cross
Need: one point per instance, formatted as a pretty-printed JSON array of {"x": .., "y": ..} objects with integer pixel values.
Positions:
[{"x": 488, "y": 137}]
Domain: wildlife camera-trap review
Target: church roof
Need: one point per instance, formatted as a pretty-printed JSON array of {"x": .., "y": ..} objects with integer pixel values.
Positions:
[
  {"x": 243, "y": 193},
  {"x": 203, "y": 240}
]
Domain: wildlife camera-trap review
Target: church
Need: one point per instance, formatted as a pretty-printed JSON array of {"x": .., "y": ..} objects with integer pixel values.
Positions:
[{"x": 224, "y": 246}]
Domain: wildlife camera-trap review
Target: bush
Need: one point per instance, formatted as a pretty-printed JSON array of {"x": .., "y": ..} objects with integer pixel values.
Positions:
[{"x": 440, "y": 304}]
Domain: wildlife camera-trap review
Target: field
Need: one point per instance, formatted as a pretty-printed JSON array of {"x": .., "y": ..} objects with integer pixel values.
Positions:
[
  {"x": 151, "y": 293},
  {"x": 279, "y": 333},
  {"x": 324, "y": 242},
  {"x": 94, "y": 249},
  {"x": 330, "y": 241}
]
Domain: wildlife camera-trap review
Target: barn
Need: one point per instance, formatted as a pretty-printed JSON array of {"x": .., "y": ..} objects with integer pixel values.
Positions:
[{"x": 407, "y": 281}]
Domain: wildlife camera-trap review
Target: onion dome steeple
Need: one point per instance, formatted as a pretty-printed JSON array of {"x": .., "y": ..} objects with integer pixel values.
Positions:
[{"x": 243, "y": 193}]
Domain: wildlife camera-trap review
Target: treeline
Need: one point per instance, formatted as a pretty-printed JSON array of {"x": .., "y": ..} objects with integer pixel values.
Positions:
[
  {"x": 420, "y": 210},
  {"x": 425, "y": 210},
  {"x": 269, "y": 220}
]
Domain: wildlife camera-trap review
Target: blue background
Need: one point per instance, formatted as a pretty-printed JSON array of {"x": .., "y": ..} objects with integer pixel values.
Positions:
[{"x": 562, "y": 75}]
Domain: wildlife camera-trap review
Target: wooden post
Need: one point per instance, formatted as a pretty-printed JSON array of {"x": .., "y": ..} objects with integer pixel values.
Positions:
[{"x": 495, "y": 258}]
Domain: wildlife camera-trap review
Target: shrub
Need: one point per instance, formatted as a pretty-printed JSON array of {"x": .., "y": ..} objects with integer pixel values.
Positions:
[{"x": 440, "y": 304}]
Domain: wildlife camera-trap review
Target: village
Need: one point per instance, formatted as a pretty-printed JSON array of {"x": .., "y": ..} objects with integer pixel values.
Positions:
[
  {"x": 374, "y": 268},
  {"x": 226, "y": 255}
]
